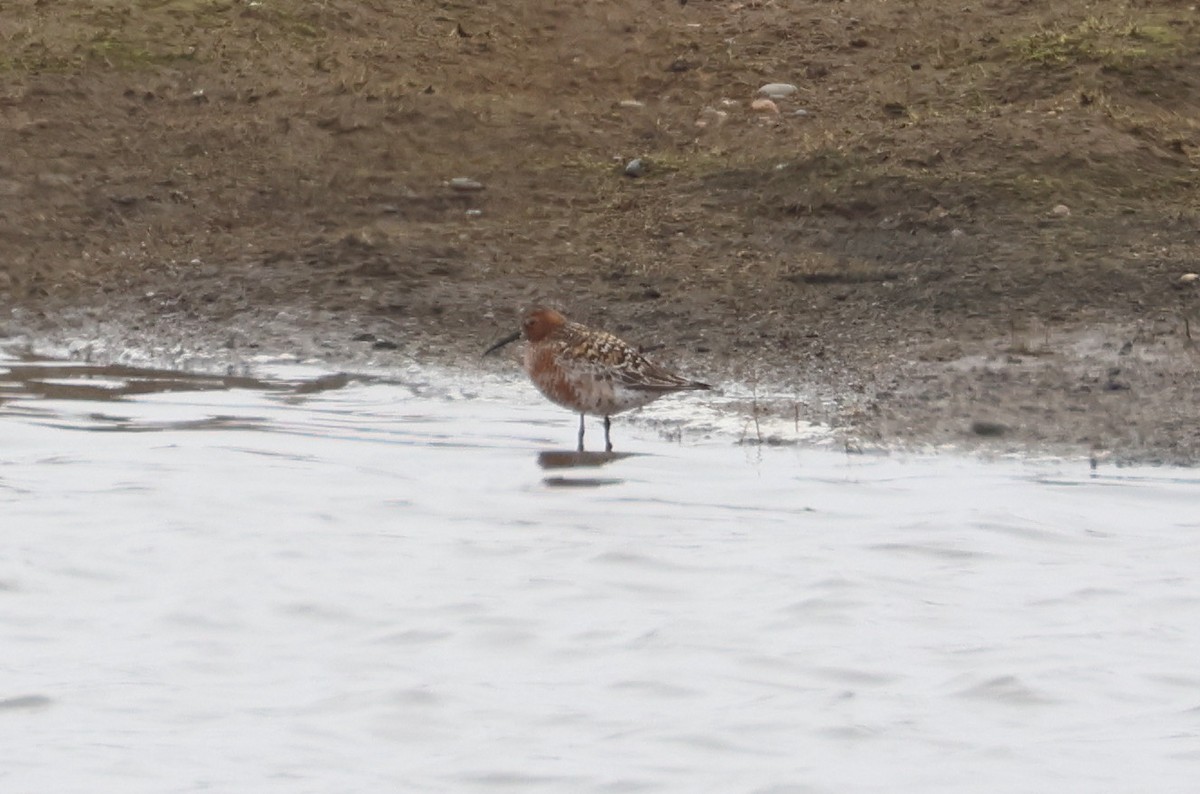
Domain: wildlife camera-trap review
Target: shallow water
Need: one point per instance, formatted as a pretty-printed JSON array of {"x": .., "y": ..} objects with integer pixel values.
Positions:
[{"x": 310, "y": 583}]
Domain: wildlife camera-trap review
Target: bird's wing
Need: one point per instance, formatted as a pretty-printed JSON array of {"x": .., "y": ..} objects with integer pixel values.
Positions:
[
  {"x": 605, "y": 355},
  {"x": 640, "y": 374}
]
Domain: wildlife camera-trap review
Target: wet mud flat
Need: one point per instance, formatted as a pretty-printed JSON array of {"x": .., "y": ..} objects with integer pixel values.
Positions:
[{"x": 1117, "y": 395}]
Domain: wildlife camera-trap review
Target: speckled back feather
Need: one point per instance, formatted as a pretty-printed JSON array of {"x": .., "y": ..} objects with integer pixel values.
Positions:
[{"x": 591, "y": 352}]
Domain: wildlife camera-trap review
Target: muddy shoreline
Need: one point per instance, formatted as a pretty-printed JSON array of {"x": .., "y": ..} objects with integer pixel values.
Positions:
[
  {"x": 962, "y": 229},
  {"x": 1116, "y": 394}
]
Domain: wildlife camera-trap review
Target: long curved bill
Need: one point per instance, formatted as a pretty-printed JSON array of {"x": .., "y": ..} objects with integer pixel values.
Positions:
[{"x": 514, "y": 336}]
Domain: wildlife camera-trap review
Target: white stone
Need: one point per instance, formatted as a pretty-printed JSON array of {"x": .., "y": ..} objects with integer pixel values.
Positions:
[
  {"x": 777, "y": 90},
  {"x": 711, "y": 117}
]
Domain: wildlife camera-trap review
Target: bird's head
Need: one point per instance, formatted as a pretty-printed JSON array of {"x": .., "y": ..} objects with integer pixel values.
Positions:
[{"x": 536, "y": 324}]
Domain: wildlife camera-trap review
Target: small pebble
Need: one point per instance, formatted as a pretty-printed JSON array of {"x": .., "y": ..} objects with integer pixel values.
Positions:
[
  {"x": 465, "y": 184},
  {"x": 764, "y": 106},
  {"x": 474, "y": 213},
  {"x": 635, "y": 167},
  {"x": 777, "y": 90},
  {"x": 1061, "y": 210},
  {"x": 957, "y": 233},
  {"x": 801, "y": 113},
  {"x": 711, "y": 117},
  {"x": 1189, "y": 278},
  {"x": 631, "y": 103}
]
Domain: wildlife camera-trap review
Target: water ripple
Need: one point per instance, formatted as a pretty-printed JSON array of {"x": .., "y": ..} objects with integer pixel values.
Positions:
[{"x": 336, "y": 582}]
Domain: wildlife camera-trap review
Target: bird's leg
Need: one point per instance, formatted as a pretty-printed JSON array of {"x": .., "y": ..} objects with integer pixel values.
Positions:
[
  {"x": 607, "y": 443},
  {"x": 581, "y": 432}
]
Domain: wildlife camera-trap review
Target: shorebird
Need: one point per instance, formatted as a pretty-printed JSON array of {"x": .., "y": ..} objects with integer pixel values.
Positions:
[{"x": 589, "y": 371}]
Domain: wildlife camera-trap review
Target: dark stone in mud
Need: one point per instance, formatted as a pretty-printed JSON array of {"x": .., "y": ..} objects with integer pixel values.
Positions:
[
  {"x": 385, "y": 344},
  {"x": 987, "y": 429},
  {"x": 365, "y": 338}
]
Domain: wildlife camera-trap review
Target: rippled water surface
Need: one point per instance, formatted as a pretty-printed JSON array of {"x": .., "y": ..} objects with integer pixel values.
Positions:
[{"x": 317, "y": 583}]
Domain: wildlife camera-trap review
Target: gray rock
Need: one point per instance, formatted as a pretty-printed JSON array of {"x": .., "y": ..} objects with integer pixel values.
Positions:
[
  {"x": 635, "y": 167},
  {"x": 465, "y": 184},
  {"x": 777, "y": 90}
]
